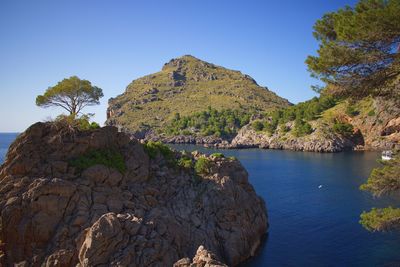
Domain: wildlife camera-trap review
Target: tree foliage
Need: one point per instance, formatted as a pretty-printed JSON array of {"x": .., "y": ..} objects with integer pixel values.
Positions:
[
  {"x": 224, "y": 123},
  {"x": 359, "y": 48},
  {"x": 383, "y": 181},
  {"x": 300, "y": 113},
  {"x": 385, "y": 219},
  {"x": 302, "y": 128},
  {"x": 72, "y": 94},
  {"x": 343, "y": 128}
]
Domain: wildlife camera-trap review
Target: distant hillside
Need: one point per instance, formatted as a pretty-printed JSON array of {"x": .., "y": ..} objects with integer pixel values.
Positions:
[
  {"x": 326, "y": 124},
  {"x": 187, "y": 85}
]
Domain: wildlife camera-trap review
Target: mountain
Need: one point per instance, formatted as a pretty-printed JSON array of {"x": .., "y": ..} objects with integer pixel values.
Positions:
[{"x": 187, "y": 85}]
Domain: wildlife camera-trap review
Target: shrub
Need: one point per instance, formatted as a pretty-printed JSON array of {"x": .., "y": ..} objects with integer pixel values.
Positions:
[
  {"x": 284, "y": 129},
  {"x": 185, "y": 162},
  {"x": 270, "y": 126},
  {"x": 257, "y": 126},
  {"x": 351, "y": 111},
  {"x": 343, "y": 128},
  {"x": 82, "y": 123},
  {"x": 371, "y": 113},
  {"x": 202, "y": 165},
  {"x": 109, "y": 158},
  {"x": 217, "y": 155},
  {"x": 302, "y": 128},
  {"x": 155, "y": 148},
  {"x": 186, "y": 132}
]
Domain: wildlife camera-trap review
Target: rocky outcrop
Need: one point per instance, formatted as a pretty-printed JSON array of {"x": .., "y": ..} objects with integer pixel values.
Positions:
[
  {"x": 380, "y": 131},
  {"x": 203, "y": 258},
  {"x": 54, "y": 212},
  {"x": 318, "y": 141},
  {"x": 208, "y": 141}
]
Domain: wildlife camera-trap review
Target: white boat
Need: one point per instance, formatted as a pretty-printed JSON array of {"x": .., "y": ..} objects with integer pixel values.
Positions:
[{"x": 387, "y": 155}]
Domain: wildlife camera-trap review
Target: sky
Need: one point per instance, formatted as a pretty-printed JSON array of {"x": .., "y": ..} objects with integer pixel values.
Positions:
[{"x": 111, "y": 43}]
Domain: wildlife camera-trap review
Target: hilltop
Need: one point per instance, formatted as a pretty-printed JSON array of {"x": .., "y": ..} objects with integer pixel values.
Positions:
[{"x": 184, "y": 86}]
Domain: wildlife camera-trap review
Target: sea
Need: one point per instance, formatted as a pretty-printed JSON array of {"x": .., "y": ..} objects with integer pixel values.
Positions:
[{"x": 314, "y": 206}]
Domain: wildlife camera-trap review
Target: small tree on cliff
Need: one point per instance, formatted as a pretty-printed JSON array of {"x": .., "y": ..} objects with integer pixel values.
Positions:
[
  {"x": 359, "y": 49},
  {"x": 72, "y": 94}
]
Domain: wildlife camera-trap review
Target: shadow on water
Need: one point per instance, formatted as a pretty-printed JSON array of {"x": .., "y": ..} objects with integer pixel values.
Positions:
[{"x": 258, "y": 253}]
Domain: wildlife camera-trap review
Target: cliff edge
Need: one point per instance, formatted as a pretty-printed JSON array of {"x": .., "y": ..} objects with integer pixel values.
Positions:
[{"x": 97, "y": 198}]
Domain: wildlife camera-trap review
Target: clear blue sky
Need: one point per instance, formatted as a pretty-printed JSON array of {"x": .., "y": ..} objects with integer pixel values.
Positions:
[{"x": 112, "y": 43}]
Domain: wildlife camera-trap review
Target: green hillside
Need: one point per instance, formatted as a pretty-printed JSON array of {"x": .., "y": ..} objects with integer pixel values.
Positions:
[{"x": 187, "y": 85}]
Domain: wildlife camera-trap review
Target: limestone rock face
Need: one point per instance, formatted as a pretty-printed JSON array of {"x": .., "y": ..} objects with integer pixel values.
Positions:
[
  {"x": 203, "y": 258},
  {"x": 377, "y": 131},
  {"x": 318, "y": 141},
  {"x": 152, "y": 214}
]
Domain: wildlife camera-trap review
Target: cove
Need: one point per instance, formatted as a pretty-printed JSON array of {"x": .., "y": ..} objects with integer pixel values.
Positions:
[{"x": 312, "y": 226}]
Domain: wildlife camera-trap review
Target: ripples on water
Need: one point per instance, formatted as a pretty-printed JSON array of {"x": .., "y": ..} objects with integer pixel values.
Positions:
[{"x": 311, "y": 226}]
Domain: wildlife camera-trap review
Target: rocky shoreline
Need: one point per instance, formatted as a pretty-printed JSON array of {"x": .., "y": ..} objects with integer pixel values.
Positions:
[
  {"x": 248, "y": 138},
  {"x": 142, "y": 212},
  {"x": 370, "y": 133}
]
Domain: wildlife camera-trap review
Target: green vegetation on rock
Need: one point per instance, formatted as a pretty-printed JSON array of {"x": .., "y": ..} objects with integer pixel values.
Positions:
[
  {"x": 257, "y": 125},
  {"x": 217, "y": 155},
  {"x": 351, "y": 111},
  {"x": 153, "y": 149},
  {"x": 223, "y": 123},
  {"x": 202, "y": 165},
  {"x": 109, "y": 158},
  {"x": 185, "y": 162},
  {"x": 302, "y": 128},
  {"x": 300, "y": 113},
  {"x": 82, "y": 123},
  {"x": 343, "y": 128}
]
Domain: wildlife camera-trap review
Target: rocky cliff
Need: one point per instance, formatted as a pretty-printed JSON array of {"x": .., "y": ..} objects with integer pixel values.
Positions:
[
  {"x": 375, "y": 126},
  {"x": 97, "y": 198}
]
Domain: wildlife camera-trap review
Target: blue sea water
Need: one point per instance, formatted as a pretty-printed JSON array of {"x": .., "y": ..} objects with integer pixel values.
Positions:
[
  {"x": 310, "y": 226},
  {"x": 5, "y": 140}
]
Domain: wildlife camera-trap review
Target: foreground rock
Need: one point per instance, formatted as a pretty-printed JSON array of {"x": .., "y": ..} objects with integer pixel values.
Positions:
[
  {"x": 152, "y": 214},
  {"x": 203, "y": 258}
]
